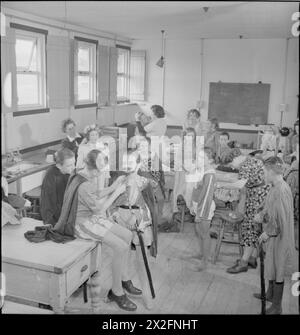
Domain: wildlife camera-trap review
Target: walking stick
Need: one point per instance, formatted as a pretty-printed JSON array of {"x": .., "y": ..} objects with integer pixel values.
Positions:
[
  {"x": 142, "y": 244},
  {"x": 262, "y": 276},
  {"x": 141, "y": 240}
]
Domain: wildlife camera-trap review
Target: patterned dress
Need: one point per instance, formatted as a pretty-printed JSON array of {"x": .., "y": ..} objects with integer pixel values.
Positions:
[{"x": 256, "y": 192}]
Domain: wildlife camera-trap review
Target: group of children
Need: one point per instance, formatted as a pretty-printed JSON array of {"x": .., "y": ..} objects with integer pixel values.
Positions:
[
  {"x": 81, "y": 197},
  {"x": 268, "y": 181}
]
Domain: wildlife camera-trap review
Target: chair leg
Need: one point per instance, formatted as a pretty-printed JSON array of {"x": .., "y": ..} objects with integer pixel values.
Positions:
[
  {"x": 240, "y": 238},
  {"x": 85, "y": 296},
  {"x": 219, "y": 242},
  {"x": 182, "y": 220}
]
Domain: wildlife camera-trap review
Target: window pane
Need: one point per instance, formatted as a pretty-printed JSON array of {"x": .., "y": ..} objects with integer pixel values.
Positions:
[
  {"x": 26, "y": 54},
  {"x": 83, "y": 59},
  {"x": 121, "y": 87},
  {"x": 121, "y": 62},
  {"x": 27, "y": 89},
  {"x": 83, "y": 88}
]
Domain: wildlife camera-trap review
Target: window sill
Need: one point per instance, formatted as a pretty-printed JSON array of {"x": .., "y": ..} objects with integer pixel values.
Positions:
[
  {"x": 31, "y": 112},
  {"x": 86, "y": 106},
  {"x": 123, "y": 102}
]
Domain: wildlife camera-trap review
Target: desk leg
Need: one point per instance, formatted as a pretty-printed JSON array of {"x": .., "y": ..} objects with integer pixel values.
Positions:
[
  {"x": 57, "y": 288},
  {"x": 219, "y": 242}
]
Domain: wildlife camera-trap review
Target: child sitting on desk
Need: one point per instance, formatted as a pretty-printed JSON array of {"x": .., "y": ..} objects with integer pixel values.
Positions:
[{"x": 131, "y": 211}]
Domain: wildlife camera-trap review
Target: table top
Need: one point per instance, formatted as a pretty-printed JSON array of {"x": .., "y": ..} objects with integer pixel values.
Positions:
[
  {"x": 37, "y": 168},
  {"x": 48, "y": 255}
]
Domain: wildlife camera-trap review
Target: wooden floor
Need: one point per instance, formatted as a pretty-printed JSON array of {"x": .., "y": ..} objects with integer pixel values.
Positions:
[{"x": 181, "y": 290}]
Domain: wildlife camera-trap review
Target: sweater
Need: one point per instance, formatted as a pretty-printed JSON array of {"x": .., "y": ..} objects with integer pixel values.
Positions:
[
  {"x": 52, "y": 195},
  {"x": 63, "y": 230}
]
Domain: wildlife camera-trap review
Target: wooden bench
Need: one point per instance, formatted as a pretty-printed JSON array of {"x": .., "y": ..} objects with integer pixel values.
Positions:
[{"x": 47, "y": 272}]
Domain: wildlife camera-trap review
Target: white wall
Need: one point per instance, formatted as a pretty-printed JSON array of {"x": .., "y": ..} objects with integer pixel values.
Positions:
[
  {"x": 230, "y": 60},
  {"x": 36, "y": 129}
]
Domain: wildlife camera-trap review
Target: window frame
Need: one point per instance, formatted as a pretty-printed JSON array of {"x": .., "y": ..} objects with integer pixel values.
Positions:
[
  {"x": 86, "y": 103},
  {"x": 41, "y": 36},
  {"x": 124, "y": 99}
]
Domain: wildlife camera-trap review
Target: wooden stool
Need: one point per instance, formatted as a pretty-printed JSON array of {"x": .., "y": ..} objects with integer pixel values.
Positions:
[
  {"x": 228, "y": 218},
  {"x": 34, "y": 196}
]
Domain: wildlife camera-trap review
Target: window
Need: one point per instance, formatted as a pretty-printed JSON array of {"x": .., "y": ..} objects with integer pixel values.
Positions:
[
  {"x": 30, "y": 70},
  {"x": 85, "y": 79},
  {"x": 123, "y": 74}
]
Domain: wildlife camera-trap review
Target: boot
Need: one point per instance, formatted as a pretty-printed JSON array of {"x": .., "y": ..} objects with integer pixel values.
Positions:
[
  {"x": 269, "y": 293},
  {"x": 252, "y": 262},
  {"x": 240, "y": 266},
  {"x": 128, "y": 286},
  {"x": 277, "y": 299}
]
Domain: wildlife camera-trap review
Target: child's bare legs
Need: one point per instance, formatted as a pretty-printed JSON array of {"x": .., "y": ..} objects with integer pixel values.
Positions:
[
  {"x": 202, "y": 231},
  {"x": 141, "y": 270}
]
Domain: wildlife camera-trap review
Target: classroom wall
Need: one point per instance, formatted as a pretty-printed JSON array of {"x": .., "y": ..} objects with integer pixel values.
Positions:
[
  {"x": 228, "y": 60},
  {"x": 32, "y": 130}
]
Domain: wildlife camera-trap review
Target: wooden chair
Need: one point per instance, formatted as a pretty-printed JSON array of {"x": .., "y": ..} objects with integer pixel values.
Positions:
[
  {"x": 229, "y": 219},
  {"x": 34, "y": 196}
]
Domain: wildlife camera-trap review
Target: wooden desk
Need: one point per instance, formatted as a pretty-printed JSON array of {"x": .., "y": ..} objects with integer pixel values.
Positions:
[
  {"x": 29, "y": 179},
  {"x": 45, "y": 272}
]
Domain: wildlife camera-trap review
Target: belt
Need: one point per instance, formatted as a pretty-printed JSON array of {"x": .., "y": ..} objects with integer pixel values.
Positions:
[{"x": 127, "y": 207}]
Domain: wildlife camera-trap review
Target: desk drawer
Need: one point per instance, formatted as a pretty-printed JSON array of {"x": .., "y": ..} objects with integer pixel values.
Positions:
[{"x": 78, "y": 274}]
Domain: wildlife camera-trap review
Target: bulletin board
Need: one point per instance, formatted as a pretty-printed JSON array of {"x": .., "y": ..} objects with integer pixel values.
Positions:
[{"x": 240, "y": 103}]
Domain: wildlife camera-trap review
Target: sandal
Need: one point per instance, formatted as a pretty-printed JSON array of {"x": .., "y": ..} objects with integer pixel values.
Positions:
[{"x": 122, "y": 301}]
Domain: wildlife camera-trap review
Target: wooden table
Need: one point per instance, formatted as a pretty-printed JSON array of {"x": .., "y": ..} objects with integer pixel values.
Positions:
[
  {"x": 27, "y": 180},
  {"x": 45, "y": 272}
]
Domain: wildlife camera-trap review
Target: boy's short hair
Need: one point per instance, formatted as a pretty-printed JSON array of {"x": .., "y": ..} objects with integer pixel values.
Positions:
[
  {"x": 65, "y": 123},
  {"x": 224, "y": 133},
  {"x": 61, "y": 155},
  {"x": 275, "y": 164}
]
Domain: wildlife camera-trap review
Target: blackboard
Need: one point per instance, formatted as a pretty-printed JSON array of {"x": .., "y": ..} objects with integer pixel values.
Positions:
[{"x": 239, "y": 102}]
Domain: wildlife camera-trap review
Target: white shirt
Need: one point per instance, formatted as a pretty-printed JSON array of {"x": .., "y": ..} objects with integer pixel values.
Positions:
[{"x": 157, "y": 127}]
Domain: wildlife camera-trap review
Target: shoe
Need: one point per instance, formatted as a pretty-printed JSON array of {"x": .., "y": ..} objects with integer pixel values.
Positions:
[
  {"x": 128, "y": 286},
  {"x": 269, "y": 293},
  {"x": 252, "y": 262},
  {"x": 213, "y": 234},
  {"x": 240, "y": 266},
  {"x": 277, "y": 299},
  {"x": 122, "y": 301}
]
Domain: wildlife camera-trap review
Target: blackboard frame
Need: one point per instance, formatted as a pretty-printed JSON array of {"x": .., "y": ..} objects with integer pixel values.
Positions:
[{"x": 242, "y": 103}]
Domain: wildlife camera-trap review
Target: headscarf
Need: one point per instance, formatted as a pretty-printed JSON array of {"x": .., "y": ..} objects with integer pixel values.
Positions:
[{"x": 253, "y": 170}]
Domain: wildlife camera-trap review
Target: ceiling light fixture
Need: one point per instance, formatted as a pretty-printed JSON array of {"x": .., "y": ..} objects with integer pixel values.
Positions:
[{"x": 161, "y": 61}]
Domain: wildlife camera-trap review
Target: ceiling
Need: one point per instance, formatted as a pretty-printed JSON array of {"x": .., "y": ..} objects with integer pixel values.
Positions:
[{"x": 180, "y": 20}]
